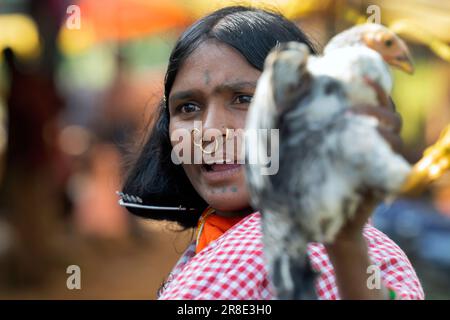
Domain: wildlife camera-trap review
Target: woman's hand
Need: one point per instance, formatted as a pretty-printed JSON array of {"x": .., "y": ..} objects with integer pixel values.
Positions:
[
  {"x": 389, "y": 127},
  {"x": 390, "y": 124},
  {"x": 349, "y": 253}
]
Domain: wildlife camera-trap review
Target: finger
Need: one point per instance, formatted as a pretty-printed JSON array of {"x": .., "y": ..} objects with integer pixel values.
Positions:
[
  {"x": 392, "y": 105},
  {"x": 387, "y": 119},
  {"x": 383, "y": 98},
  {"x": 392, "y": 138}
]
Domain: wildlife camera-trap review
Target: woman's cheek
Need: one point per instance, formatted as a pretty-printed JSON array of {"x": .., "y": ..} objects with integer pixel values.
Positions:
[
  {"x": 193, "y": 173},
  {"x": 182, "y": 145}
]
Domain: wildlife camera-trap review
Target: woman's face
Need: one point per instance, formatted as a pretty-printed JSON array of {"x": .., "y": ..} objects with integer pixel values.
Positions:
[{"x": 213, "y": 88}]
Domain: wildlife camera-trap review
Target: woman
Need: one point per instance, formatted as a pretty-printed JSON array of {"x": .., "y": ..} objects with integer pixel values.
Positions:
[{"x": 211, "y": 78}]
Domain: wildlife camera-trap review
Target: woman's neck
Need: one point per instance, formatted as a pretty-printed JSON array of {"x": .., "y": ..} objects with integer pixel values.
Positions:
[{"x": 234, "y": 214}]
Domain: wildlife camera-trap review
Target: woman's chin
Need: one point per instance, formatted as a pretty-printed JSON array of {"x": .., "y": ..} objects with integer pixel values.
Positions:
[{"x": 227, "y": 198}]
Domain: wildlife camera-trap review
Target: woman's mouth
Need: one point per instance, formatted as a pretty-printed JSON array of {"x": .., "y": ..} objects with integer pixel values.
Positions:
[{"x": 220, "y": 171}]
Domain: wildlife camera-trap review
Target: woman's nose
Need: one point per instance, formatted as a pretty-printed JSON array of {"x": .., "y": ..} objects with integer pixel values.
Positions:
[{"x": 216, "y": 117}]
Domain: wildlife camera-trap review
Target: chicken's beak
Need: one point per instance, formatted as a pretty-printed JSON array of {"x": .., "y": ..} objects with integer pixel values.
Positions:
[{"x": 403, "y": 62}]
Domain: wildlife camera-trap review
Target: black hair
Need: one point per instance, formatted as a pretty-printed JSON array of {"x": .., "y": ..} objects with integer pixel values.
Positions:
[{"x": 154, "y": 177}]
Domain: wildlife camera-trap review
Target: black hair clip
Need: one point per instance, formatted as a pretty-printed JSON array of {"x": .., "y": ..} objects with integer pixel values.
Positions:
[{"x": 132, "y": 201}]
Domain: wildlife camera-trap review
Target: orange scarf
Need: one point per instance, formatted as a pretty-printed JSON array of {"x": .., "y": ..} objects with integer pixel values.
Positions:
[{"x": 211, "y": 226}]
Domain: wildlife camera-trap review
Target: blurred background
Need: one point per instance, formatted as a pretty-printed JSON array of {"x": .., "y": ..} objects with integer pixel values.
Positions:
[{"x": 79, "y": 83}]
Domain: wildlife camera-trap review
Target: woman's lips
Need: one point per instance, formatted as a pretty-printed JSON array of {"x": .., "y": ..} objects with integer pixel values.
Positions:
[
  {"x": 218, "y": 172},
  {"x": 223, "y": 167}
]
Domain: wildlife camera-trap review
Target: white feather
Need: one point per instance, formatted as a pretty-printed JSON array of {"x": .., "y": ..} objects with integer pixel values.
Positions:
[{"x": 352, "y": 65}]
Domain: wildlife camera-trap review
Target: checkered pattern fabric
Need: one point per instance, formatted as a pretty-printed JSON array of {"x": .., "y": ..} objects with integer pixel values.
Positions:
[{"x": 232, "y": 267}]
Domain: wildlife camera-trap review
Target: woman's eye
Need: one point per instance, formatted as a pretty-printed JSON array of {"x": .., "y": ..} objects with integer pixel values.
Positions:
[
  {"x": 188, "y": 108},
  {"x": 243, "y": 99}
]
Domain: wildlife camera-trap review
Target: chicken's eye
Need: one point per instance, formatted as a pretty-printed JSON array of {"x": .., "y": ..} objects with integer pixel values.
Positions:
[{"x": 388, "y": 43}]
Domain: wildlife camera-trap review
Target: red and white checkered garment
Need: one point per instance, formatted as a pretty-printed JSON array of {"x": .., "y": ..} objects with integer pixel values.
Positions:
[{"x": 232, "y": 267}]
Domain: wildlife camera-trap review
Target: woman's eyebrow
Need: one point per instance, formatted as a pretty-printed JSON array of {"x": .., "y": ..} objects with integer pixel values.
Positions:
[
  {"x": 230, "y": 86},
  {"x": 235, "y": 86},
  {"x": 181, "y": 95}
]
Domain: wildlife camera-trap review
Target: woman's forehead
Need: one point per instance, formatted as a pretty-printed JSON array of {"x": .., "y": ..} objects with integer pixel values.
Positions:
[{"x": 211, "y": 65}]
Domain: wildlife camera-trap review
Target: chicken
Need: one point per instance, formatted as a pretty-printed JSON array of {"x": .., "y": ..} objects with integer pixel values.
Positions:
[{"x": 328, "y": 157}]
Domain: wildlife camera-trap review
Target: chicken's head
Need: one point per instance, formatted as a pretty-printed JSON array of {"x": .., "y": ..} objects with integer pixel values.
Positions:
[{"x": 389, "y": 45}]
